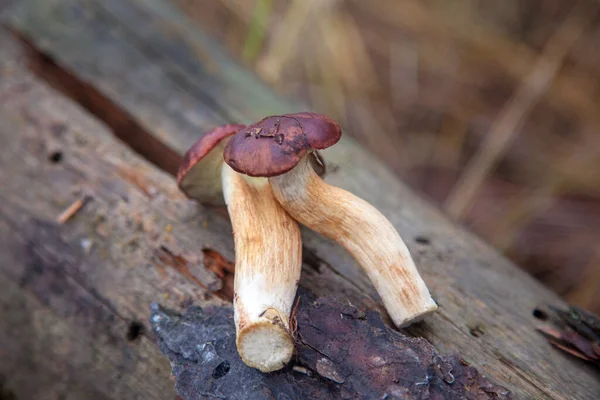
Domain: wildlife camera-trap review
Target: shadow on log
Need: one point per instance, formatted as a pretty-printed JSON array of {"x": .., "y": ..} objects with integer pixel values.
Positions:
[{"x": 342, "y": 353}]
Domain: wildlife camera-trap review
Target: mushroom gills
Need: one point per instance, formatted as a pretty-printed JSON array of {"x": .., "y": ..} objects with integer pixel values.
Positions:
[{"x": 203, "y": 183}]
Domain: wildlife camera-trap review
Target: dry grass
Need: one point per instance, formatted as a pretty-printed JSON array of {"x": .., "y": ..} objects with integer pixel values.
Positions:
[{"x": 488, "y": 107}]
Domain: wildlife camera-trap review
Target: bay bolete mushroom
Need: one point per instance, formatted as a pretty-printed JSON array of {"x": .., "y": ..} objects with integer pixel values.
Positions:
[
  {"x": 268, "y": 250},
  {"x": 199, "y": 175},
  {"x": 276, "y": 147}
]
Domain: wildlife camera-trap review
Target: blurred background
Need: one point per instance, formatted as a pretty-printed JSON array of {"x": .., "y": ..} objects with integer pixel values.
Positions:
[{"x": 489, "y": 108}]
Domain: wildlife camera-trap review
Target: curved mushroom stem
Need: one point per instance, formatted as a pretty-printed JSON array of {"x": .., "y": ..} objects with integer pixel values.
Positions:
[
  {"x": 268, "y": 262},
  {"x": 364, "y": 232}
]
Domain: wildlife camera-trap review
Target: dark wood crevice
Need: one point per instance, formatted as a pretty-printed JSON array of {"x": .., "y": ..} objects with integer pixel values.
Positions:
[{"x": 122, "y": 124}]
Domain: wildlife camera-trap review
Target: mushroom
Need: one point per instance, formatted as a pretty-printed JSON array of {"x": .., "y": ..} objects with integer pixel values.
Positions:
[
  {"x": 199, "y": 175},
  {"x": 277, "y": 147},
  {"x": 268, "y": 250}
]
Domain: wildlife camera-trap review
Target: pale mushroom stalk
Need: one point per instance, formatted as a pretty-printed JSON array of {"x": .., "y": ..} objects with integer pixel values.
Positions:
[
  {"x": 364, "y": 232},
  {"x": 267, "y": 249},
  {"x": 268, "y": 262}
]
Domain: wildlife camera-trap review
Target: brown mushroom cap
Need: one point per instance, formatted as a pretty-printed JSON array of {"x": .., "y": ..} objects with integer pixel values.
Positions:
[
  {"x": 200, "y": 168},
  {"x": 276, "y": 144}
]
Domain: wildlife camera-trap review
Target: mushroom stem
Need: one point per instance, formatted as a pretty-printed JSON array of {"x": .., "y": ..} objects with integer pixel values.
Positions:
[
  {"x": 268, "y": 262},
  {"x": 364, "y": 232}
]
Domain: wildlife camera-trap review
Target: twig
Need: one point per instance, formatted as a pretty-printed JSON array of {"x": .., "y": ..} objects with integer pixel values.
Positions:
[{"x": 71, "y": 210}]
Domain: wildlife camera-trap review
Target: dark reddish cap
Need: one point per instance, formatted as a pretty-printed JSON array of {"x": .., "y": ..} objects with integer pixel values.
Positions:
[
  {"x": 197, "y": 166},
  {"x": 276, "y": 144}
]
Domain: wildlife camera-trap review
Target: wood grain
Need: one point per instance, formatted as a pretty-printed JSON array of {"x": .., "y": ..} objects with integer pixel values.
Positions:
[
  {"x": 75, "y": 297},
  {"x": 175, "y": 83},
  {"x": 71, "y": 292}
]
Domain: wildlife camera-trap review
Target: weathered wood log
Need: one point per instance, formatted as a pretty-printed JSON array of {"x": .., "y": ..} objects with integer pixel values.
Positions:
[
  {"x": 74, "y": 297},
  {"x": 149, "y": 74}
]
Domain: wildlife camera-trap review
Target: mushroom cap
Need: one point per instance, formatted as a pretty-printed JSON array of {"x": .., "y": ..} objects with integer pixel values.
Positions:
[
  {"x": 199, "y": 174},
  {"x": 276, "y": 144}
]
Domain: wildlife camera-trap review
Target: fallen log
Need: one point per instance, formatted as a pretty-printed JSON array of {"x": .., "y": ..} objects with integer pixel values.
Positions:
[{"x": 152, "y": 78}]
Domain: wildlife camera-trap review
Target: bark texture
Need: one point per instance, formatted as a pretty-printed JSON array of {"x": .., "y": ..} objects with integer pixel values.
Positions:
[{"x": 342, "y": 353}]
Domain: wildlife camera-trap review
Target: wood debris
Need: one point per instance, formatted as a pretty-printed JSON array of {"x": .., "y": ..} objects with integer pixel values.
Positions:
[{"x": 71, "y": 210}]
